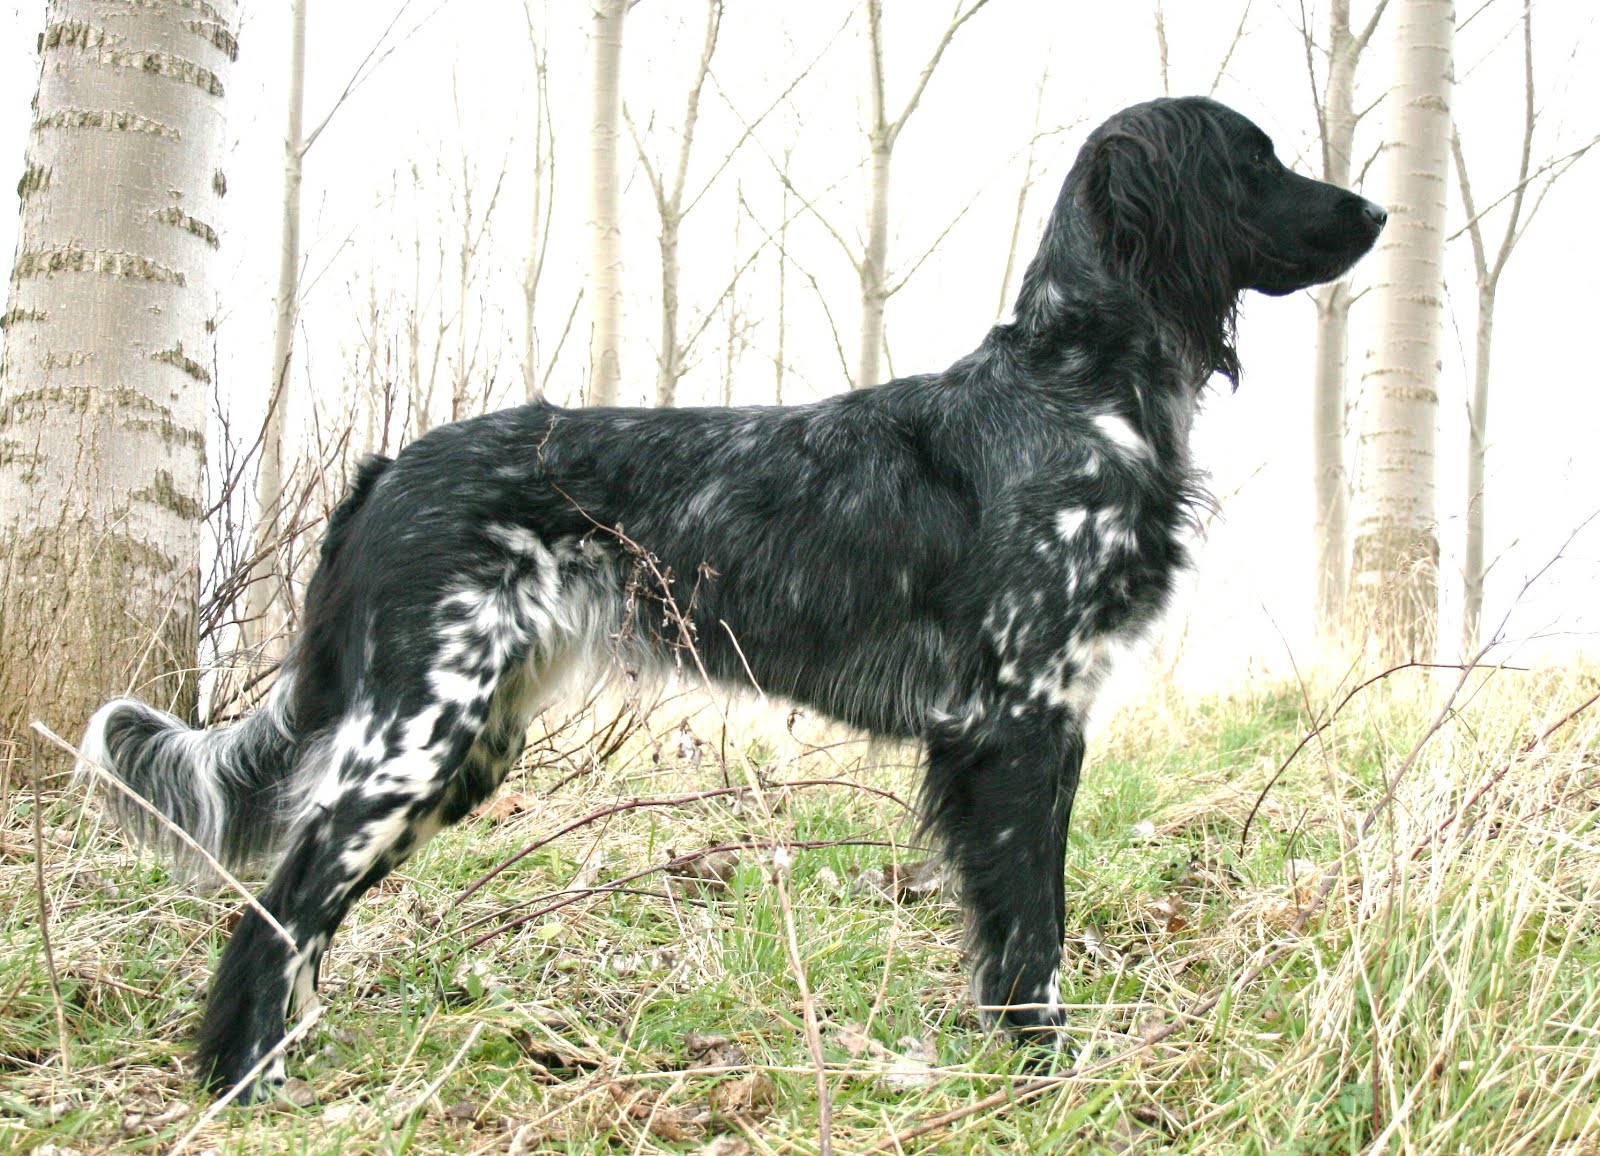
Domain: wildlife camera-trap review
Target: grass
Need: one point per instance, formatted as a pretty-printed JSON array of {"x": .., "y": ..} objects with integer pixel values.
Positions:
[{"x": 1433, "y": 986}]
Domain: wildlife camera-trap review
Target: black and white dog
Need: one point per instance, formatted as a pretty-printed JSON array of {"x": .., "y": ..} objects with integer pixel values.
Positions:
[{"x": 948, "y": 558}]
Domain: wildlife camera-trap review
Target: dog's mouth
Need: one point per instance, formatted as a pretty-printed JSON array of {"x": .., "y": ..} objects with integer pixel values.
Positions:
[{"x": 1327, "y": 254}]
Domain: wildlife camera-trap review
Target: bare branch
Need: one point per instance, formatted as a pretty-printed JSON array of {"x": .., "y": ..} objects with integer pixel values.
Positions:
[
  {"x": 1238, "y": 36},
  {"x": 1162, "y": 56},
  {"x": 958, "y": 18},
  {"x": 1371, "y": 26},
  {"x": 750, "y": 126},
  {"x": 369, "y": 65},
  {"x": 1556, "y": 166}
]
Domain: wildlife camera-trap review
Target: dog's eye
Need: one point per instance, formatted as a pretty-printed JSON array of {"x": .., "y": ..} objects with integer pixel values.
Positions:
[{"x": 1262, "y": 158}]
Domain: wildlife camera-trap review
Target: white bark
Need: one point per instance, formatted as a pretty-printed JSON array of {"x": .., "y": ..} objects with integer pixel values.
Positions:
[
  {"x": 103, "y": 393},
  {"x": 875, "y": 259},
  {"x": 543, "y": 209},
  {"x": 605, "y": 225},
  {"x": 1394, "y": 570},
  {"x": 268, "y": 602},
  {"x": 1336, "y": 117},
  {"x": 1487, "y": 269},
  {"x": 882, "y": 133}
]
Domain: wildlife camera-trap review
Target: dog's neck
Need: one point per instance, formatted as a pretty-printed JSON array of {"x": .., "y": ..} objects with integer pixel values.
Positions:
[{"x": 1073, "y": 288}]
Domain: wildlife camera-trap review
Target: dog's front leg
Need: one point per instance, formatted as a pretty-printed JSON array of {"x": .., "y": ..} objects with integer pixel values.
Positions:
[{"x": 999, "y": 796}]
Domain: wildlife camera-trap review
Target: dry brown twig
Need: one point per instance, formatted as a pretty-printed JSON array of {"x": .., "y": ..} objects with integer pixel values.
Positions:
[{"x": 44, "y": 914}]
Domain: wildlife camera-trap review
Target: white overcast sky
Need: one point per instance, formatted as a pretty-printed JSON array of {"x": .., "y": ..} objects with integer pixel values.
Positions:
[{"x": 459, "y": 88}]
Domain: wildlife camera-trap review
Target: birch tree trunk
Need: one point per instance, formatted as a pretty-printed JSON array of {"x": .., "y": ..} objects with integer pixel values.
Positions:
[
  {"x": 104, "y": 388},
  {"x": 882, "y": 133},
  {"x": 1336, "y": 116},
  {"x": 1395, "y": 563},
  {"x": 605, "y": 224},
  {"x": 673, "y": 361},
  {"x": 267, "y": 603},
  {"x": 543, "y": 207},
  {"x": 875, "y": 259}
]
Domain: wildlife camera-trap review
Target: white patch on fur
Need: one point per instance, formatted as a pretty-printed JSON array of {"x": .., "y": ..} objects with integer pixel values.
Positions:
[
  {"x": 301, "y": 974},
  {"x": 455, "y": 687},
  {"x": 1069, "y": 521},
  {"x": 1119, "y": 433},
  {"x": 1049, "y": 994},
  {"x": 520, "y": 540},
  {"x": 1004, "y": 836},
  {"x": 1117, "y": 533}
]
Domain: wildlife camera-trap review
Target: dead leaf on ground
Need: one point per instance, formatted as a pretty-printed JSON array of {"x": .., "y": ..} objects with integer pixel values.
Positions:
[
  {"x": 726, "y": 1146},
  {"x": 913, "y": 1067},
  {"x": 901, "y": 882},
  {"x": 711, "y": 872},
  {"x": 1094, "y": 942},
  {"x": 298, "y": 1092},
  {"x": 910, "y": 1063},
  {"x": 150, "y": 1113},
  {"x": 649, "y": 1109},
  {"x": 1169, "y": 914},
  {"x": 750, "y": 1095},
  {"x": 504, "y": 806},
  {"x": 853, "y": 1039},
  {"x": 1128, "y": 1135},
  {"x": 1303, "y": 877},
  {"x": 553, "y": 1057},
  {"x": 708, "y": 1050}
]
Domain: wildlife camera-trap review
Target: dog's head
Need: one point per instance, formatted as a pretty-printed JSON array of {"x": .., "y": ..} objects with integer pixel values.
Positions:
[{"x": 1189, "y": 205}]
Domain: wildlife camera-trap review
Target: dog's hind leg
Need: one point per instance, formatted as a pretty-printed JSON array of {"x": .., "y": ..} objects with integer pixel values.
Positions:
[
  {"x": 394, "y": 777},
  {"x": 998, "y": 794}
]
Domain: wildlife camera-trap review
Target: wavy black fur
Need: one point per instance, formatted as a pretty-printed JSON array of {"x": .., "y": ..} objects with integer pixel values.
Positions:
[{"x": 949, "y": 558}]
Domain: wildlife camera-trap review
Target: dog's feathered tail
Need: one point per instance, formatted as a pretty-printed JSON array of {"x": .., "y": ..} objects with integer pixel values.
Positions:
[
  {"x": 229, "y": 789},
  {"x": 234, "y": 790}
]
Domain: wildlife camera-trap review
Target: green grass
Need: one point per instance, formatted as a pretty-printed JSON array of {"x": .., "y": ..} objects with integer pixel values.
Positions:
[{"x": 1438, "y": 1000}]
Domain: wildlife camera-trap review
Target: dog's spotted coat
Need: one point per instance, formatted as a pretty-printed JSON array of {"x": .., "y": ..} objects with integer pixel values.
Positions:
[{"x": 950, "y": 558}]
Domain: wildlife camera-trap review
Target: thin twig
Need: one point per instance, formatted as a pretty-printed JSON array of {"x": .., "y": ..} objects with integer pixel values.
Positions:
[
  {"x": 247, "y": 1081},
  {"x": 432, "y": 1090},
  {"x": 1504, "y": 769},
  {"x": 781, "y": 864},
  {"x": 578, "y": 894},
  {"x": 673, "y": 801},
  {"x": 44, "y": 914},
  {"x": 1322, "y": 726}
]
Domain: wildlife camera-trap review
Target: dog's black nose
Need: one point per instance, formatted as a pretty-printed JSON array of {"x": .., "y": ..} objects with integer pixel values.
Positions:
[{"x": 1375, "y": 213}]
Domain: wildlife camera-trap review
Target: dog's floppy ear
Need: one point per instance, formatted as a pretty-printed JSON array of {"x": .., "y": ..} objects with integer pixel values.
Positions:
[
  {"x": 1123, "y": 197},
  {"x": 1159, "y": 225}
]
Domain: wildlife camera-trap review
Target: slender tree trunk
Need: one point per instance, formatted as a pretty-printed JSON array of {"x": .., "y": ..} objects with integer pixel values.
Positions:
[
  {"x": 671, "y": 364},
  {"x": 543, "y": 208},
  {"x": 1328, "y": 427},
  {"x": 1329, "y": 408},
  {"x": 605, "y": 225},
  {"x": 267, "y": 605},
  {"x": 1488, "y": 271},
  {"x": 874, "y": 265},
  {"x": 783, "y": 289},
  {"x": 1472, "y": 572},
  {"x": 1394, "y": 571},
  {"x": 104, "y": 387}
]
